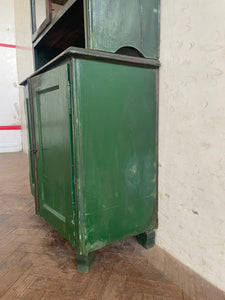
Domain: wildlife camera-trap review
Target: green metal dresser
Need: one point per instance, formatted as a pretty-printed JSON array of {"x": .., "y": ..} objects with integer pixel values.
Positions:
[{"x": 93, "y": 148}]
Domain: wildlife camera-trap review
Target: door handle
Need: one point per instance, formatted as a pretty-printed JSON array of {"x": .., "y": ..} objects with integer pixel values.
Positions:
[{"x": 35, "y": 150}]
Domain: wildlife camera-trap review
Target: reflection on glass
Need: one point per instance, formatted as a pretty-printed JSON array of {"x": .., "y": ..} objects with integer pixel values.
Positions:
[{"x": 41, "y": 12}]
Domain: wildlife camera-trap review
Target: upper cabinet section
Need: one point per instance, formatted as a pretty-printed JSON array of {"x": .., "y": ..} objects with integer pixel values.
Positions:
[
  {"x": 123, "y": 26},
  {"x": 129, "y": 27}
]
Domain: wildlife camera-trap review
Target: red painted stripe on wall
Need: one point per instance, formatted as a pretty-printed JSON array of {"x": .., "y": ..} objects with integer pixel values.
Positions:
[
  {"x": 14, "y": 46},
  {"x": 11, "y": 127},
  {"x": 7, "y": 45},
  {"x": 23, "y": 48}
]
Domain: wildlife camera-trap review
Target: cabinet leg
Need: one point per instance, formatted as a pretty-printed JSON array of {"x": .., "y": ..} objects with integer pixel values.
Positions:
[
  {"x": 85, "y": 261},
  {"x": 147, "y": 239}
]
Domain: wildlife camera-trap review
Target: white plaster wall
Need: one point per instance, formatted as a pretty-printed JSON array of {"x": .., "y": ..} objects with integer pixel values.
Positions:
[
  {"x": 192, "y": 135},
  {"x": 24, "y": 56},
  {"x": 9, "y": 96}
]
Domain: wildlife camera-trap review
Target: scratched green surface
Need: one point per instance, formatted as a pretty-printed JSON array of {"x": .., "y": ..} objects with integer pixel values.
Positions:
[
  {"x": 117, "y": 154},
  {"x": 111, "y": 25}
]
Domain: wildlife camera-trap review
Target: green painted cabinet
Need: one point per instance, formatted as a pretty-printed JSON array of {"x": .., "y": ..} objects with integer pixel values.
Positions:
[{"x": 94, "y": 126}]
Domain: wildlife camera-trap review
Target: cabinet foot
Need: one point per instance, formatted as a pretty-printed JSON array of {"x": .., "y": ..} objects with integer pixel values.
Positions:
[
  {"x": 147, "y": 239},
  {"x": 85, "y": 261}
]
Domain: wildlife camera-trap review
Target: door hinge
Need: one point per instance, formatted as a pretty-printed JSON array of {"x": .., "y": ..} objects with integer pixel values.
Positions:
[
  {"x": 69, "y": 90},
  {"x": 70, "y": 106},
  {"x": 69, "y": 97},
  {"x": 34, "y": 151}
]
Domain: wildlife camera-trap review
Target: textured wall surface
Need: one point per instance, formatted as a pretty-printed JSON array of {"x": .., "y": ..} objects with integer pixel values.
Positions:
[
  {"x": 192, "y": 135},
  {"x": 10, "y": 140},
  {"x": 24, "y": 55}
]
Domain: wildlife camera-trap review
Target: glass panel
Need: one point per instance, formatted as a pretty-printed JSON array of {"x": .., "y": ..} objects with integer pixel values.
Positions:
[
  {"x": 41, "y": 12},
  {"x": 57, "y": 5}
]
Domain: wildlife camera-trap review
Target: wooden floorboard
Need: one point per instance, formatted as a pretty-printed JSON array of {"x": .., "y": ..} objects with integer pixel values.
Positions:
[{"x": 37, "y": 263}]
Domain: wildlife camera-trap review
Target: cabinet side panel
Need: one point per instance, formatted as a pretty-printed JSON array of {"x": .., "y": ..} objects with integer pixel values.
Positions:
[{"x": 117, "y": 111}]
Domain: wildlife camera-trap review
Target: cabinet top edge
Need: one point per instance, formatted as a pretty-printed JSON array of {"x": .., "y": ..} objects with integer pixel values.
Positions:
[{"x": 74, "y": 52}]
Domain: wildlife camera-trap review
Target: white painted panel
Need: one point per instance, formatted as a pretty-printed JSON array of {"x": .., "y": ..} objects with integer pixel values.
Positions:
[
  {"x": 24, "y": 55},
  {"x": 10, "y": 141},
  {"x": 9, "y": 95}
]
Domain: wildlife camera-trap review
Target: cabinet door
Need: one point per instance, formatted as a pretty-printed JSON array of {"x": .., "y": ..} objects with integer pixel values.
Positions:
[
  {"x": 52, "y": 123},
  {"x": 117, "y": 195}
]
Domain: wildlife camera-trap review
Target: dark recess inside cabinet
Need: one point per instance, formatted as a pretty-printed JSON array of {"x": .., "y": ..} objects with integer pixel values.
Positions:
[{"x": 65, "y": 30}]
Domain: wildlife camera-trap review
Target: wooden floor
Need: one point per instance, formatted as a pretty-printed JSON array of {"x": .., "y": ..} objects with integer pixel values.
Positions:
[{"x": 37, "y": 263}]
